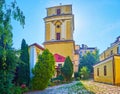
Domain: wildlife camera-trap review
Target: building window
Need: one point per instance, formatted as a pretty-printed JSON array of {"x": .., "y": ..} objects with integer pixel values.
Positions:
[
  {"x": 59, "y": 65},
  {"x": 118, "y": 52},
  {"x": 58, "y": 26},
  {"x": 97, "y": 71},
  {"x": 105, "y": 70},
  {"x": 57, "y": 36},
  {"x": 111, "y": 52},
  {"x": 58, "y": 11}
]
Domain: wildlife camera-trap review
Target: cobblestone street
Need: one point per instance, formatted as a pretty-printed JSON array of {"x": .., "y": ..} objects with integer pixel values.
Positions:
[
  {"x": 101, "y": 88},
  {"x": 73, "y": 88}
]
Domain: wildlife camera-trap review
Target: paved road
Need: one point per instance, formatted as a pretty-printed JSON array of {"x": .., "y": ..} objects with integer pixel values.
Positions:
[
  {"x": 101, "y": 88},
  {"x": 90, "y": 85},
  {"x": 71, "y": 88}
]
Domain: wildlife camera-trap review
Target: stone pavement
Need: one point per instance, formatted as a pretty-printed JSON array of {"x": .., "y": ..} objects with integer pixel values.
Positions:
[
  {"x": 101, "y": 88},
  {"x": 73, "y": 88}
]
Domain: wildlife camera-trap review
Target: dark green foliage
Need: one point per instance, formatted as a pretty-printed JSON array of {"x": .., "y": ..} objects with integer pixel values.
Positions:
[
  {"x": 76, "y": 74},
  {"x": 8, "y": 58},
  {"x": 7, "y": 71},
  {"x": 84, "y": 73},
  {"x": 23, "y": 68},
  {"x": 89, "y": 60},
  {"x": 43, "y": 71},
  {"x": 58, "y": 78},
  {"x": 67, "y": 69}
]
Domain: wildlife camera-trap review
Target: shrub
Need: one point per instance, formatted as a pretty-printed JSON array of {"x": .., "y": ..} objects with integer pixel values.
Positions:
[
  {"x": 43, "y": 71},
  {"x": 67, "y": 69},
  {"x": 84, "y": 73},
  {"x": 76, "y": 74},
  {"x": 77, "y": 79},
  {"x": 60, "y": 77},
  {"x": 17, "y": 90}
]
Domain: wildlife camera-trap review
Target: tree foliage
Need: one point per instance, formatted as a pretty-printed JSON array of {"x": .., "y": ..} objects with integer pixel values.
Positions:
[
  {"x": 7, "y": 54},
  {"x": 88, "y": 60},
  {"x": 67, "y": 69},
  {"x": 84, "y": 73},
  {"x": 43, "y": 70},
  {"x": 23, "y": 68}
]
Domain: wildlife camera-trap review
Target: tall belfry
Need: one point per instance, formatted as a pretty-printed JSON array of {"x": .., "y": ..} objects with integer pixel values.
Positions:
[{"x": 59, "y": 28}]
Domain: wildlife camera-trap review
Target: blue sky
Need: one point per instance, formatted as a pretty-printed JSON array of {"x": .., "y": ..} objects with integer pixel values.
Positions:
[{"x": 97, "y": 22}]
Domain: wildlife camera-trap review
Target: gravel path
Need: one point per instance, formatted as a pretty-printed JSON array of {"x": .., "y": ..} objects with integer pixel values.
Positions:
[{"x": 101, "y": 88}]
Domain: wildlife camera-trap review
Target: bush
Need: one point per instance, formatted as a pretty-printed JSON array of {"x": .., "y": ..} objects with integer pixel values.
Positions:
[
  {"x": 43, "y": 71},
  {"x": 17, "y": 90},
  {"x": 60, "y": 77},
  {"x": 84, "y": 73},
  {"x": 67, "y": 69},
  {"x": 77, "y": 79},
  {"x": 76, "y": 74}
]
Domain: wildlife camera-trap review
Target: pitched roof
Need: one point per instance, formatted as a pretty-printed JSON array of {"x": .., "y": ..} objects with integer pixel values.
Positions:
[
  {"x": 37, "y": 45},
  {"x": 59, "y": 58}
]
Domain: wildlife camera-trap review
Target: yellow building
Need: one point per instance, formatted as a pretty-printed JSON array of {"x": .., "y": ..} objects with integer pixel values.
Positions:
[
  {"x": 108, "y": 69},
  {"x": 34, "y": 50},
  {"x": 59, "y": 28}
]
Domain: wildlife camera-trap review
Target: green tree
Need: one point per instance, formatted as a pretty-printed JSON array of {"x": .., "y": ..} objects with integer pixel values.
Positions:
[
  {"x": 43, "y": 70},
  {"x": 23, "y": 68},
  {"x": 7, "y": 54},
  {"x": 88, "y": 60},
  {"x": 84, "y": 73},
  {"x": 67, "y": 69}
]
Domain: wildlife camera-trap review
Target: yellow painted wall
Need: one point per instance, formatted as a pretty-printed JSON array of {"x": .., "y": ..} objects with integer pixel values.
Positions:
[
  {"x": 102, "y": 57},
  {"x": 47, "y": 36},
  {"x": 65, "y": 9},
  {"x": 63, "y": 48},
  {"x": 68, "y": 30},
  {"x": 107, "y": 53},
  {"x": 117, "y": 69},
  {"x": 101, "y": 78}
]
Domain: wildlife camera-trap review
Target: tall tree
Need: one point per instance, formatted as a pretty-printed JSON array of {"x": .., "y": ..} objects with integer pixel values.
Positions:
[
  {"x": 43, "y": 70},
  {"x": 88, "y": 60},
  {"x": 23, "y": 68},
  {"x": 7, "y": 54},
  {"x": 67, "y": 69}
]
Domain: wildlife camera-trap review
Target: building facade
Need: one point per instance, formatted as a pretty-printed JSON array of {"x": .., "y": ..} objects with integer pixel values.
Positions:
[
  {"x": 34, "y": 50},
  {"x": 59, "y": 29},
  {"x": 85, "y": 49},
  {"x": 108, "y": 69}
]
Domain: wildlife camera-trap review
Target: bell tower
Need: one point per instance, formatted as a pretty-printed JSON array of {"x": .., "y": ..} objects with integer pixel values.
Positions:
[{"x": 59, "y": 27}]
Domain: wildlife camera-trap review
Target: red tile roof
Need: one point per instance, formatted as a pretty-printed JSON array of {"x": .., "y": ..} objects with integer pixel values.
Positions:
[
  {"x": 59, "y": 58},
  {"x": 37, "y": 45}
]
